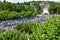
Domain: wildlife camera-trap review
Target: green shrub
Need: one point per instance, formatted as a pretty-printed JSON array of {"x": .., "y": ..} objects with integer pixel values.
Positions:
[
  {"x": 10, "y": 35},
  {"x": 54, "y": 8},
  {"x": 29, "y": 27},
  {"x": 48, "y": 30}
]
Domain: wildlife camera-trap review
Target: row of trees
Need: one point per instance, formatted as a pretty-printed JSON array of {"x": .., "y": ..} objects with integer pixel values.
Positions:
[
  {"x": 4, "y": 15},
  {"x": 49, "y": 30},
  {"x": 54, "y": 8},
  {"x": 10, "y": 10}
]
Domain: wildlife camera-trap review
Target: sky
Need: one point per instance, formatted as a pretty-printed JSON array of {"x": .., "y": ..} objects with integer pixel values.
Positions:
[{"x": 15, "y": 1}]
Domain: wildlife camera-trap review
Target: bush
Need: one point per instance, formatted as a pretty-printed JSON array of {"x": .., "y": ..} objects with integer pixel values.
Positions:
[
  {"x": 5, "y": 14},
  {"x": 48, "y": 30},
  {"x": 29, "y": 27},
  {"x": 54, "y": 8},
  {"x": 10, "y": 10},
  {"x": 10, "y": 35}
]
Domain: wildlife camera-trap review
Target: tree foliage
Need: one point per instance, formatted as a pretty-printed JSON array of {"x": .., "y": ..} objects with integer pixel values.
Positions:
[
  {"x": 10, "y": 35},
  {"x": 48, "y": 30},
  {"x": 29, "y": 27},
  {"x": 10, "y": 10},
  {"x": 54, "y": 8}
]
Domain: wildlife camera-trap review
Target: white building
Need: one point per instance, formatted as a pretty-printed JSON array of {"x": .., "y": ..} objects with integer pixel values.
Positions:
[{"x": 45, "y": 7}]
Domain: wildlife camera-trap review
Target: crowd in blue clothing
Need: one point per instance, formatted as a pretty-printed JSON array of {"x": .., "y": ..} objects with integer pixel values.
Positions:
[{"x": 13, "y": 22}]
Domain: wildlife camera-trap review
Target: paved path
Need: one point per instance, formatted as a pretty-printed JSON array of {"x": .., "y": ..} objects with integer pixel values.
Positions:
[{"x": 10, "y": 23}]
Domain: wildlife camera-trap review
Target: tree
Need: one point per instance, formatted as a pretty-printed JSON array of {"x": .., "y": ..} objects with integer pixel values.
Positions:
[
  {"x": 49, "y": 30},
  {"x": 10, "y": 35},
  {"x": 14, "y": 10},
  {"x": 4, "y": 0},
  {"x": 58, "y": 9},
  {"x": 13, "y": 15},
  {"x": 38, "y": 8},
  {"x": 29, "y": 27},
  {"x": 53, "y": 8}
]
